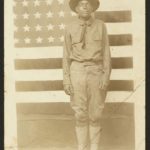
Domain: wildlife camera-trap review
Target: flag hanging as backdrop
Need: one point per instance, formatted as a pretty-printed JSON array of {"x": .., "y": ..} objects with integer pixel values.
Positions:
[
  {"x": 39, "y": 35},
  {"x": 42, "y": 22}
]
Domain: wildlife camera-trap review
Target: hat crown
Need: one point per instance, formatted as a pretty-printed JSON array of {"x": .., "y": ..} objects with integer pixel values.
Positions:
[{"x": 74, "y": 3}]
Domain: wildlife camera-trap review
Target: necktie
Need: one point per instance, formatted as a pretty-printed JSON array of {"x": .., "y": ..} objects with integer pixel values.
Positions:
[{"x": 82, "y": 39}]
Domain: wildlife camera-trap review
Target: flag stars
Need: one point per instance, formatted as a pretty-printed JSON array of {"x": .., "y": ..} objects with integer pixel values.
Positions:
[
  {"x": 49, "y": 2},
  {"x": 62, "y": 26},
  {"x": 49, "y": 14},
  {"x": 39, "y": 40},
  {"x": 27, "y": 40},
  {"x": 73, "y": 14},
  {"x": 51, "y": 39},
  {"x": 36, "y": 3},
  {"x": 26, "y": 28},
  {"x": 26, "y": 16},
  {"x": 61, "y": 14},
  {"x": 24, "y": 3},
  {"x": 50, "y": 27},
  {"x": 14, "y": 3},
  {"x": 38, "y": 28},
  {"x": 14, "y": 16},
  {"x": 62, "y": 38},
  {"x": 61, "y": 2},
  {"x": 37, "y": 15},
  {"x": 15, "y": 28},
  {"x": 16, "y": 41}
]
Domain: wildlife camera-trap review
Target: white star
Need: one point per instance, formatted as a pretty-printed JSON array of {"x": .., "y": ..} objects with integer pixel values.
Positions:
[
  {"x": 16, "y": 41},
  {"x": 61, "y": 14},
  {"x": 15, "y": 16},
  {"x": 39, "y": 40},
  {"x": 14, "y": 3},
  {"x": 62, "y": 38},
  {"x": 27, "y": 40},
  {"x": 73, "y": 14},
  {"x": 49, "y": 14},
  {"x": 26, "y": 16},
  {"x": 38, "y": 28},
  {"x": 25, "y": 3},
  {"x": 51, "y": 39},
  {"x": 37, "y": 15},
  {"x": 62, "y": 26},
  {"x": 49, "y": 2},
  {"x": 61, "y": 2},
  {"x": 15, "y": 28},
  {"x": 26, "y": 28},
  {"x": 50, "y": 27},
  {"x": 36, "y": 3}
]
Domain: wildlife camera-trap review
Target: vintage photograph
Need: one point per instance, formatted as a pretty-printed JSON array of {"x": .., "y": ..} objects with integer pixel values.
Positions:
[{"x": 74, "y": 75}]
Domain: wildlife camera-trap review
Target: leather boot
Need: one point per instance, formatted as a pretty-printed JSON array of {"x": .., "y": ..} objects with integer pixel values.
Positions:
[
  {"x": 82, "y": 137},
  {"x": 95, "y": 133}
]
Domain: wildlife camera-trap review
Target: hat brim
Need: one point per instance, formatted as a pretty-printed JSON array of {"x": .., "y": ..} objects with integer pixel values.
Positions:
[{"x": 73, "y": 3}]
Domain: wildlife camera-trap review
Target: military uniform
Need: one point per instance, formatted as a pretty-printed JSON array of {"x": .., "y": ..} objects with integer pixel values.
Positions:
[{"x": 87, "y": 61}]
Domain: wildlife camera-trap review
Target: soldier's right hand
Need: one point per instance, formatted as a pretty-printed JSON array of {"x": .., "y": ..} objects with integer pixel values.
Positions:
[{"x": 68, "y": 89}]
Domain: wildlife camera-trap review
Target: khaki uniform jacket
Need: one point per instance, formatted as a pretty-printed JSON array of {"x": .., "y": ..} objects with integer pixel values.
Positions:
[{"x": 96, "y": 50}]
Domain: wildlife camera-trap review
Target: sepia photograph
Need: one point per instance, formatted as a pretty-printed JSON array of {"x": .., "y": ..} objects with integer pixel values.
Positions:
[{"x": 74, "y": 75}]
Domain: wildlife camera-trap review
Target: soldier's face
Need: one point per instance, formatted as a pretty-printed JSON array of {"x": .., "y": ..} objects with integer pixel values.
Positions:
[{"x": 84, "y": 9}]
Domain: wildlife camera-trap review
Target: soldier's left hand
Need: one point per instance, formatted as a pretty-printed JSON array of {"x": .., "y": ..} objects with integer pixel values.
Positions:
[
  {"x": 103, "y": 85},
  {"x": 68, "y": 89}
]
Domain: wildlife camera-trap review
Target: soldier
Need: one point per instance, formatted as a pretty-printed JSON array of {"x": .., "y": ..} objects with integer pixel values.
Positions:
[{"x": 86, "y": 71}]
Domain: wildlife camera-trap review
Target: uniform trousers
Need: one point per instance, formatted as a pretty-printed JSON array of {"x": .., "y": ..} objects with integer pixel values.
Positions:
[{"x": 88, "y": 99}]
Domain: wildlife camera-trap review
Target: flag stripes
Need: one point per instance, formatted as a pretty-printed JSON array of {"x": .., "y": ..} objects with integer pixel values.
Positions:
[
  {"x": 106, "y": 16},
  {"x": 119, "y": 28},
  {"x": 119, "y": 40},
  {"x": 60, "y": 96},
  {"x": 56, "y": 74},
  {"x": 111, "y": 5},
  {"x": 114, "y": 40},
  {"x": 56, "y": 63},
  {"x": 59, "y": 109},
  {"x": 57, "y": 52},
  {"x": 114, "y": 16},
  {"x": 115, "y": 85}
]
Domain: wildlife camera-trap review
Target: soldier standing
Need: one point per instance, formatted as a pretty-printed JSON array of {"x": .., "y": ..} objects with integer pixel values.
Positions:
[{"x": 86, "y": 71}]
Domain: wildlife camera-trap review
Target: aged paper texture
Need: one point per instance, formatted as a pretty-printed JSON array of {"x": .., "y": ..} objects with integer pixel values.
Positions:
[{"x": 38, "y": 115}]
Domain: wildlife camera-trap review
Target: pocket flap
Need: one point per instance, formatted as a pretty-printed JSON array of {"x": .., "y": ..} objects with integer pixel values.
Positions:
[
  {"x": 96, "y": 36},
  {"x": 76, "y": 39}
]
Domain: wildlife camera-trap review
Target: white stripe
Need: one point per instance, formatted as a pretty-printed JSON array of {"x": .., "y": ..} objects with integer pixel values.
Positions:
[
  {"x": 122, "y": 74},
  {"x": 41, "y": 75},
  {"x": 60, "y": 96},
  {"x": 119, "y": 28},
  {"x": 57, "y": 52},
  {"x": 56, "y": 74},
  {"x": 119, "y": 96},
  {"x": 121, "y": 51},
  {"x": 35, "y": 53},
  {"x": 113, "y": 5}
]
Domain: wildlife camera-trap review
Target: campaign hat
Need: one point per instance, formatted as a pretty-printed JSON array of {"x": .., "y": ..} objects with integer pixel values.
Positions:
[{"x": 73, "y": 3}]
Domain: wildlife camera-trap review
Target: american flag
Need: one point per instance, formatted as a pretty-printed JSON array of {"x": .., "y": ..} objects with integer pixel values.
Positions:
[{"x": 38, "y": 31}]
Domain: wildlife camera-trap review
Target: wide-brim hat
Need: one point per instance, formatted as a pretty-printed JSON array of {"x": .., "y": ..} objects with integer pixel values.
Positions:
[{"x": 73, "y": 3}]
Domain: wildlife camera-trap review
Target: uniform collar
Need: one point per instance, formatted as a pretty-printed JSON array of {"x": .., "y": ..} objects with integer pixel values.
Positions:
[{"x": 88, "y": 22}]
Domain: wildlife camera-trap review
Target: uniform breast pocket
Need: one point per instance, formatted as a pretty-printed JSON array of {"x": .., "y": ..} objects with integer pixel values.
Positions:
[
  {"x": 97, "y": 40},
  {"x": 97, "y": 36},
  {"x": 75, "y": 38}
]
